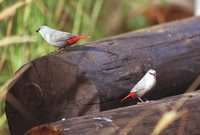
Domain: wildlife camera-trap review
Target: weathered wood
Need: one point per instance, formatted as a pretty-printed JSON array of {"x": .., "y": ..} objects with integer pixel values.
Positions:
[
  {"x": 46, "y": 101},
  {"x": 94, "y": 77},
  {"x": 137, "y": 120}
]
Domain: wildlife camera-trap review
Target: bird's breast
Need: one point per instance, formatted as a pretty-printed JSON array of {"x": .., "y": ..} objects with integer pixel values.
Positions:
[{"x": 145, "y": 86}]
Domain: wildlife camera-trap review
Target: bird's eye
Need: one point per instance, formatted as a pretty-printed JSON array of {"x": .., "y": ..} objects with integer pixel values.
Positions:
[
  {"x": 154, "y": 74},
  {"x": 38, "y": 30}
]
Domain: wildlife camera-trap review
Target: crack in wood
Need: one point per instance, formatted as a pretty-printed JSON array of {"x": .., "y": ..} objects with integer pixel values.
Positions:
[
  {"x": 170, "y": 43},
  {"x": 36, "y": 70},
  {"x": 112, "y": 68}
]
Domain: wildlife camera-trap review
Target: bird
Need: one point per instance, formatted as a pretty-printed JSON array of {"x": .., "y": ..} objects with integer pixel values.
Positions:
[
  {"x": 58, "y": 38},
  {"x": 143, "y": 86}
]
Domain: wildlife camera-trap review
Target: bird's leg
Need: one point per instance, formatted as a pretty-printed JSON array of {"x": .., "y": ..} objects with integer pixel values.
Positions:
[
  {"x": 146, "y": 100},
  {"x": 140, "y": 99},
  {"x": 61, "y": 48},
  {"x": 58, "y": 50}
]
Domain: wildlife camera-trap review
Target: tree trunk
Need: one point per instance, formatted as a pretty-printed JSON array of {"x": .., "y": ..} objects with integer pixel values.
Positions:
[
  {"x": 95, "y": 77},
  {"x": 133, "y": 120}
]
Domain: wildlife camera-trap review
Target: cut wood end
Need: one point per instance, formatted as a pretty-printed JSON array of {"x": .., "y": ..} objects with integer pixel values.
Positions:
[{"x": 44, "y": 130}]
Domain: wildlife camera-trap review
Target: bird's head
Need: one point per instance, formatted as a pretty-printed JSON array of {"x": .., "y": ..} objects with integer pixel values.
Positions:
[
  {"x": 152, "y": 72},
  {"x": 42, "y": 28}
]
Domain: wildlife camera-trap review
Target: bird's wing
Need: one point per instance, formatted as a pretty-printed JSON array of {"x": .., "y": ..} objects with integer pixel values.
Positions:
[
  {"x": 61, "y": 36},
  {"x": 139, "y": 86}
]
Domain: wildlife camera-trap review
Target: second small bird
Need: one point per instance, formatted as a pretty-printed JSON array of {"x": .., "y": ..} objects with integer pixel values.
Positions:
[
  {"x": 143, "y": 86},
  {"x": 58, "y": 38}
]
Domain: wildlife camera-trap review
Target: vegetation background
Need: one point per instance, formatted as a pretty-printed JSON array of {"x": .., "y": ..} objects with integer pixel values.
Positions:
[{"x": 19, "y": 19}]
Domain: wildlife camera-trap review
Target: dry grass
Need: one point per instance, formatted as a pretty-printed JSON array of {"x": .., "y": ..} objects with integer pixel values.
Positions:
[{"x": 17, "y": 40}]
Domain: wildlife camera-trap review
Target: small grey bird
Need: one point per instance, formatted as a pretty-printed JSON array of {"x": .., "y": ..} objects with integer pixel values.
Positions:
[
  {"x": 58, "y": 38},
  {"x": 143, "y": 86}
]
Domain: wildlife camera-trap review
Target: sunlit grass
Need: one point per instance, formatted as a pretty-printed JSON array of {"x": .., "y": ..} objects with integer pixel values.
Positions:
[{"x": 3, "y": 122}]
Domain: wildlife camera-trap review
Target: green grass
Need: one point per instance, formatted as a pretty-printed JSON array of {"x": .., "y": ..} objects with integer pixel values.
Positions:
[{"x": 86, "y": 17}]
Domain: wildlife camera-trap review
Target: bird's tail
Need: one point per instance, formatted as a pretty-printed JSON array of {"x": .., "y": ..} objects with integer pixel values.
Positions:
[
  {"x": 125, "y": 98},
  {"x": 74, "y": 39},
  {"x": 83, "y": 37},
  {"x": 131, "y": 94}
]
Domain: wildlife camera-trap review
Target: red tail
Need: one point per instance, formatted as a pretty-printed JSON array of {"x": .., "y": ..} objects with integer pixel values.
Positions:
[
  {"x": 125, "y": 98},
  {"x": 131, "y": 94},
  {"x": 74, "y": 39}
]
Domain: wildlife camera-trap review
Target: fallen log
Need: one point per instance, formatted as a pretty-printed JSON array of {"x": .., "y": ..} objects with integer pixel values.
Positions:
[
  {"x": 95, "y": 77},
  {"x": 138, "y": 120}
]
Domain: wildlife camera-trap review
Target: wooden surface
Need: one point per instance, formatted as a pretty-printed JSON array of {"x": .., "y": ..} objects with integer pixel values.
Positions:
[
  {"x": 135, "y": 120},
  {"x": 95, "y": 77}
]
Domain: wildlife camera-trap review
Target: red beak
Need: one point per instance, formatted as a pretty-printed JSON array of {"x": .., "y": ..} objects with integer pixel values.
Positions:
[
  {"x": 131, "y": 94},
  {"x": 74, "y": 39}
]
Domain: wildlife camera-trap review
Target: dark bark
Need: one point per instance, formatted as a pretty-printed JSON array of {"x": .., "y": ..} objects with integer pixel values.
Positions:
[
  {"x": 95, "y": 77},
  {"x": 135, "y": 120}
]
